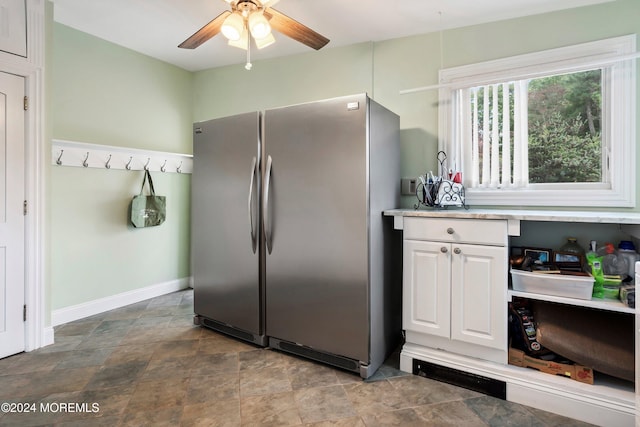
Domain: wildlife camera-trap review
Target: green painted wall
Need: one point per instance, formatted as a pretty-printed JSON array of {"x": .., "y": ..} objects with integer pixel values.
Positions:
[
  {"x": 105, "y": 94},
  {"x": 279, "y": 82}
]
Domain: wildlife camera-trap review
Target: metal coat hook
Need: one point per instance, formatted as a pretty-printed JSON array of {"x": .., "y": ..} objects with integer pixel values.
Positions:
[
  {"x": 128, "y": 165},
  {"x": 85, "y": 163},
  {"x": 107, "y": 165},
  {"x": 178, "y": 169},
  {"x": 146, "y": 166},
  {"x": 163, "y": 167},
  {"x": 59, "y": 161}
]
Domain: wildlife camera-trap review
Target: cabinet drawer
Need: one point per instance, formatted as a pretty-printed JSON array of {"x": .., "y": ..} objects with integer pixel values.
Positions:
[{"x": 483, "y": 231}]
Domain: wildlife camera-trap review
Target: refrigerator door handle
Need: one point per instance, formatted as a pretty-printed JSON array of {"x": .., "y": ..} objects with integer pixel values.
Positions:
[
  {"x": 265, "y": 205},
  {"x": 252, "y": 231}
]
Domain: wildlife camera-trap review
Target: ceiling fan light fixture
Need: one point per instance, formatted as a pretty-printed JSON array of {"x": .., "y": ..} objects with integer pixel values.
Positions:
[
  {"x": 259, "y": 26},
  {"x": 253, "y": 18},
  {"x": 233, "y": 26},
  {"x": 265, "y": 41}
]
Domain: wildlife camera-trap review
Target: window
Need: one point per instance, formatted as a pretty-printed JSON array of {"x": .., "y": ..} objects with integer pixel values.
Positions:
[{"x": 553, "y": 128}]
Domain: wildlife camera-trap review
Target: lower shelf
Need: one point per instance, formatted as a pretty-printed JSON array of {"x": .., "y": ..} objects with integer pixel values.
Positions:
[
  {"x": 607, "y": 402},
  {"x": 600, "y": 304}
]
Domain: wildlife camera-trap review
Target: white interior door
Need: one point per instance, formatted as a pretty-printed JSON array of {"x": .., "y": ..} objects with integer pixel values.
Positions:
[{"x": 12, "y": 331}]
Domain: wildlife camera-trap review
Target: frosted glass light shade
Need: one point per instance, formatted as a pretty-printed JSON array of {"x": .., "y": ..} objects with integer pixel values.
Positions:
[
  {"x": 233, "y": 26},
  {"x": 242, "y": 42},
  {"x": 259, "y": 26},
  {"x": 265, "y": 41}
]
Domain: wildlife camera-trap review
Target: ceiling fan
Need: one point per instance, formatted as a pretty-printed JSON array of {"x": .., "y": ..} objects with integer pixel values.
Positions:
[{"x": 257, "y": 18}]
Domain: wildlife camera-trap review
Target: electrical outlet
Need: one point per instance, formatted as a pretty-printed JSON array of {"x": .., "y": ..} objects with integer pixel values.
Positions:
[{"x": 408, "y": 186}]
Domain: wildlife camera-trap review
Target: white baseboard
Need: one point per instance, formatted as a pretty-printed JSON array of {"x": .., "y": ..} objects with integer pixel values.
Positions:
[
  {"x": 47, "y": 336},
  {"x": 599, "y": 404},
  {"x": 90, "y": 308}
]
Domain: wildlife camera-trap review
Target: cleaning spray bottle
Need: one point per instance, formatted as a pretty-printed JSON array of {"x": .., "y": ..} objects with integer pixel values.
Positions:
[{"x": 594, "y": 262}]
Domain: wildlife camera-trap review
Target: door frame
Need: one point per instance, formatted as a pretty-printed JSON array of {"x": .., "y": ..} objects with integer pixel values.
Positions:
[{"x": 38, "y": 332}]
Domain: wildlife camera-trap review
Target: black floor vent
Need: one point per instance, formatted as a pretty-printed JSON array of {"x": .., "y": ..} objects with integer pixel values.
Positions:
[
  {"x": 466, "y": 380},
  {"x": 221, "y": 327},
  {"x": 331, "y": 359}
]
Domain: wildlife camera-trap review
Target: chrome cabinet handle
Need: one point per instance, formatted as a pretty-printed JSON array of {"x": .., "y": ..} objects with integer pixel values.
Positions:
[
  {"x": 457, "y": 251},
  {"x": 252, "y": 231},
  {"x": 265, "y": 205},
  {"x": 450, "y": 230},
  {"x": 444, "y": 250}
]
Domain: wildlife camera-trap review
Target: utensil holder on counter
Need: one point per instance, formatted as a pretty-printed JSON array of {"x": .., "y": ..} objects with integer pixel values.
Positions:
[{"x": 440, "y": 193}]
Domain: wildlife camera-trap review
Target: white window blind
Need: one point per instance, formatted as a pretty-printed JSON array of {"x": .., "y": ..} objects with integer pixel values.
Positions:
[{"x": 498, "y": 137}]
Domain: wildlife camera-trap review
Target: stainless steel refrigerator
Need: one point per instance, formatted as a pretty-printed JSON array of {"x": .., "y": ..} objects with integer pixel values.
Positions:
[{"x": 290, "y": 247}]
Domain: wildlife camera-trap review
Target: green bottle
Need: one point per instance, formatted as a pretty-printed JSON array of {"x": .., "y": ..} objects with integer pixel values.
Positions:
[{"x": 595, "y": 265}]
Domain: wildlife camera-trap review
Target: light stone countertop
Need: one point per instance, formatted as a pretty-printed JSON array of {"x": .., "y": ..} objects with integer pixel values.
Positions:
[{"x": 521, "y": 215}]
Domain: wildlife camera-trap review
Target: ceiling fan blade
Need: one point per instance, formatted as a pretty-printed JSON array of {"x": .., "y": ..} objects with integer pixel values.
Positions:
[
  {"x": 206, "y": 32},
  {"x": 292, "y": 28}
]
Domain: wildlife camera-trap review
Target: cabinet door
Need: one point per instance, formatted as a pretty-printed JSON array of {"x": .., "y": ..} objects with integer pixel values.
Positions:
[
  {"x": 13, "y": 28},
  {"x": 478, "y": 294},
  {"x": 426, "y": 292}
]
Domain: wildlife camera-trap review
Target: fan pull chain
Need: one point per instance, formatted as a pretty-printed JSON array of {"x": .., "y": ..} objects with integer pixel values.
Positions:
[{"x": 248, "y": 64}]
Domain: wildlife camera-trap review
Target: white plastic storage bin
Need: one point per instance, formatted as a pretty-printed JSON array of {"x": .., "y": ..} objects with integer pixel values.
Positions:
[{"x": 559, "y": 285}]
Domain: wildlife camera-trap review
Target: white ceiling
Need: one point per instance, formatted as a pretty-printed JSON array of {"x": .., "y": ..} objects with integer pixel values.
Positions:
[{"x": 156, "y": 27}]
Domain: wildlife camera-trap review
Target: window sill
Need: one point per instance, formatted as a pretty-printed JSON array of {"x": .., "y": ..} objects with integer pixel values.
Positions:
[{"x": 625, "y": 198}]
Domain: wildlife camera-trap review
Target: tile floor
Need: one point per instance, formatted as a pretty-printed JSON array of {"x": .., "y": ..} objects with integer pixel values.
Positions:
[{"x": 146, "y": 364}]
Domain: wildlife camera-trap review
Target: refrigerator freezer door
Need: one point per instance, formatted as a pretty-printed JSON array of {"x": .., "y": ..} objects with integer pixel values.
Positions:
[
  {"x": 225, "y": 203},
  {"x": 317, "y": 222}
]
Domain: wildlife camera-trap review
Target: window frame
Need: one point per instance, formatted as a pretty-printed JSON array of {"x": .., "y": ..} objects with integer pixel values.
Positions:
[{"x": 618, "y": 122}]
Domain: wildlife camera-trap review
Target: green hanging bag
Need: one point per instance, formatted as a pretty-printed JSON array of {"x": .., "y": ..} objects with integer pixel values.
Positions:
[{"x": 148, "y": 211}]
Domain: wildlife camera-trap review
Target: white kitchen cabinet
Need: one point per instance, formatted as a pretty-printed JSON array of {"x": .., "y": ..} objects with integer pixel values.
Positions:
[
  {"x": 454, "y": 286},
  {"x": 13, "y": 27},
  {"x": 607, "y": 402}
]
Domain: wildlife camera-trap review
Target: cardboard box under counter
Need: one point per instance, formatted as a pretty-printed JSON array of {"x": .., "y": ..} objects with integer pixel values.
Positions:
[{"x": 576, "y": 372}]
